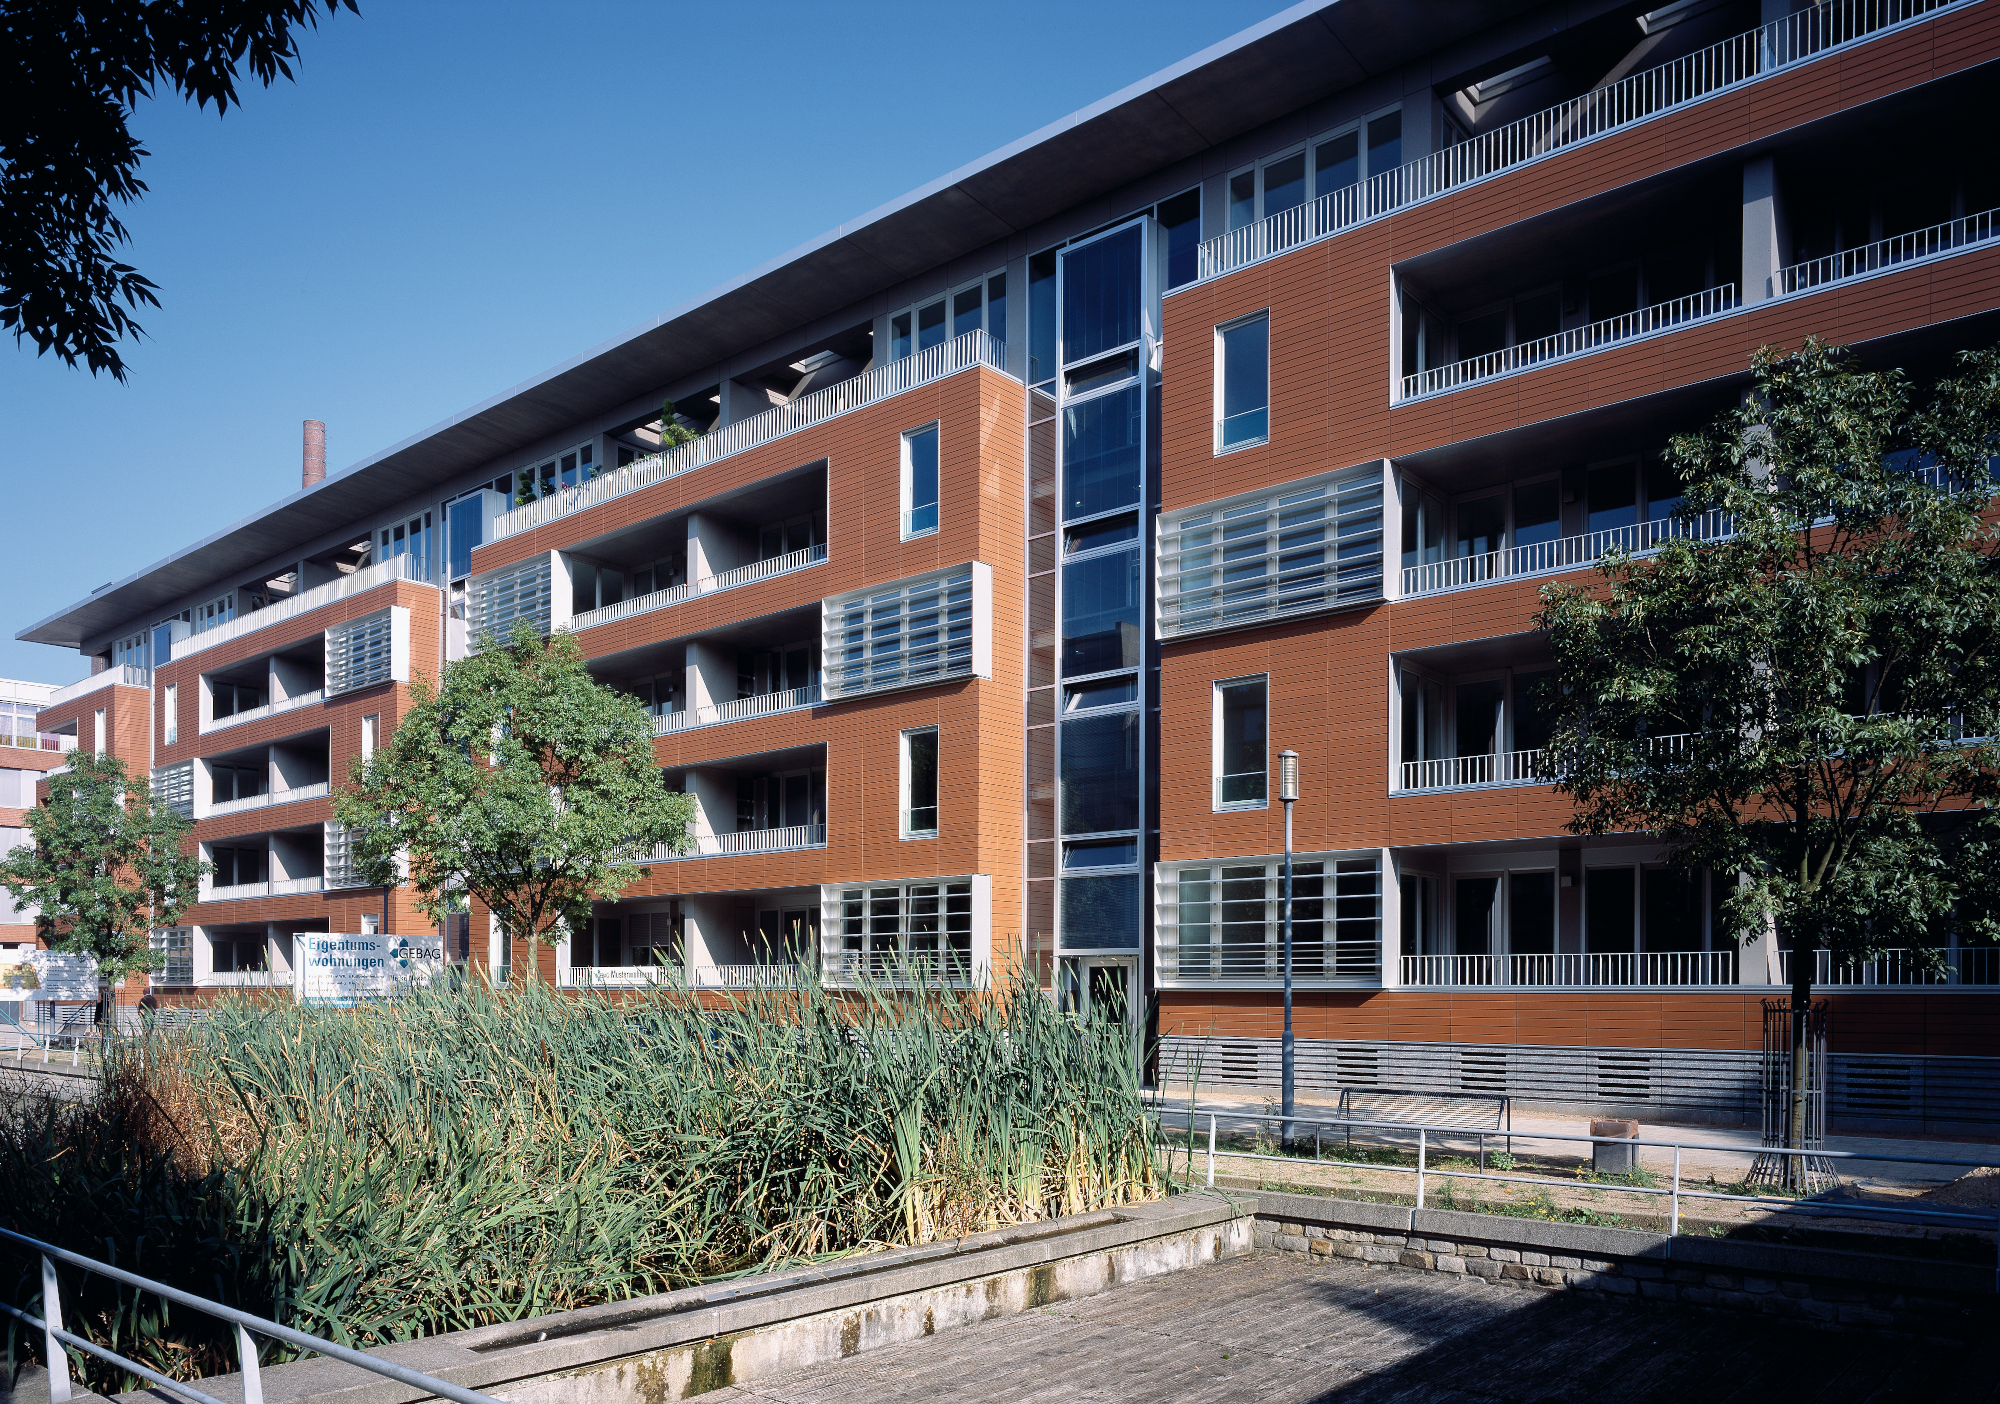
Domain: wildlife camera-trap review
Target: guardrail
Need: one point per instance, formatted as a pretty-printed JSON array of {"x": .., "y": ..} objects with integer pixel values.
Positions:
[
  {"x": 1822, "y": 29},
  {"x": 1563, "y": 553},
  {"x": 903, "y": 971},
  {"x": 1505, "y": 767},
  {"x": 248, "y": 1328},
  {"x": 1430, "y": 1137},
  {"x": 765, "y": 704},
  {"x": 1885, "y": 254},
  {"x": 746, "y": 841},
  {"x": 1969, "y": 965},
  {"x": 119, "y": 675},
  {"x": 975, "y": 348},
  {"x": 1580, "y": 970},
  {"x": 404, "y": 567},
  {"x": 279, "y": 887},
  {"x": 1656, "y": 320},
  {"x": 269, "y": 709},
  {"x": 707, "y": 585}
]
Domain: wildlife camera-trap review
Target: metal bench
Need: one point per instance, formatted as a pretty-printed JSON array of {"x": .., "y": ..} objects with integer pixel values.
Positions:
[{"x": 1479, "y": 1113}]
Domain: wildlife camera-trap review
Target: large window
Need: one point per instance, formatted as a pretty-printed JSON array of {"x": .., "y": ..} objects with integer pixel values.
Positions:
[
  {"x": 1103, "y": 448},
  {"x": 1101, "y": 295},
  {"x": 1225, "y": 921},
  {"x": 920, "y": 783},
  {"x": 1101, "y": 613},
  {"x": 920, "y": 481},
  {"x": 1241, "y": 748},
  {"x": 1243, "y": 383},
  {"x": 978, "y": 305},
  {"x": 569, "y": 469},
  {"x": 1100, "y": 772},
  {"x": 1326, "y": 165},
  {"x": 910, "y": 633},
  {"x": 885, "y": 930}
]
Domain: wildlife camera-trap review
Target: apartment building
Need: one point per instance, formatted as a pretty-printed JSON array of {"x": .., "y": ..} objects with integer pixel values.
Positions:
[
  {"x": 25, "y": 756},
  {"x": 1024, "y": 519}
]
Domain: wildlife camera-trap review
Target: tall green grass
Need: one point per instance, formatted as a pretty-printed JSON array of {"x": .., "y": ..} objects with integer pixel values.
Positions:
[{"x": 459, "y": 1157}]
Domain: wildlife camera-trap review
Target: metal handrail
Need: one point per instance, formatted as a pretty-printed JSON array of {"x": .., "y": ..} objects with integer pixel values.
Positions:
[
  {"x": 269, "y": 709},
  {"x": 764, "y": 704},
  {"x": 707, "y": 585},
  {"x": 1819, "y": 30},
  {"x": 1660, "y": 318},
  {"x": 246, "y": 1323},
  {"x": 404, "y": 567},
  {"x": 1509, "y": 767},
  {"x": 788, "y": 836},
  {"x": 1563, "y": 553},
  {"x": 1575, "y": 969},
  {"x": 975, "y": 348},
  {"x": 1913, "y": 247}
]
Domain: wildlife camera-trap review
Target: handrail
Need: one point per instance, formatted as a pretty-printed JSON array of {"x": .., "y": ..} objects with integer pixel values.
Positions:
[
  {"x": 246, "y": 1325},
  {"x": 707, "y": 585},
  {"x": 403, "y": 567},
  {"x": 269, "y": 709},
  {"x": 787, "y": 836},
  {"x": 764, "y": 704},
  {"x": 1913, "y": 247},
  {"x": 1900, "y": 966},
  {"x": 1655, "y": 320},
  {"x": 1592, "y": 969},
  {"x": 118, "y": 675},
  {"x": 1812, "y": 33},
  {"x": 974, "y": 348},
  {"x": 1507, "y": 767},
  {"x": 1564, "y": 553}
]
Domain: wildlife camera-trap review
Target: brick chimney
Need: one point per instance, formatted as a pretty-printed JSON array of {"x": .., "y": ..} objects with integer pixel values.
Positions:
[{"x": 314, "y": 470}]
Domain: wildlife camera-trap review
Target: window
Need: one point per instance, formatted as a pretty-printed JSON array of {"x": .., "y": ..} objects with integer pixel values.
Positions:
[
  {"x": 170, "y": 707},
  {"x": 1225, "y": 921},
  {"x": 1100, "y": 779},
  {"x": 130, "y": 652},
  {"x": 567, "y": 469},
  {"x": 920, "y": 783},
  {"x": 212, "y": 613},
  {"x": 878, "y": 932},
  {"x": 1101, "y": 603},
  {"x": 176, "y": 946},
  {"x": 1240, "y": 749},
  {"x": 1102, "y": 910},
  {"x": 1328, "y": 164},
  {"x": 980, "y": 305},
  {"x": 410, "y": 538},
  {"x": 97, "y": 732},
  {"x": 237, "y": 867},
  {"x": 1243, "y": 382},
  {"x": 911, "y": 633},
  {"x": 1103, "y": 451},
  {"x": 371, "y": 736},
  {"x": 920, "y": 481}
]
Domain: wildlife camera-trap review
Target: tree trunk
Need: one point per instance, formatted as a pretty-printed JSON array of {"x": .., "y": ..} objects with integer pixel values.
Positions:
[{"x": 1803, "y": 960}]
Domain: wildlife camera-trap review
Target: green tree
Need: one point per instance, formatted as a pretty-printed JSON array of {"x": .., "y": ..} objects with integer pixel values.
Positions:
[
  {"x": 1808, "y": 701},
  {"x": 521, "y": 782},
  {"x": 106, "y": 866},
  {"x": 74, "y": 73}
]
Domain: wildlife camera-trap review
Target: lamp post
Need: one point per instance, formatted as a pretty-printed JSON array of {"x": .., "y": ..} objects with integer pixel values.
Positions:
[{"x": 1288, "y": 793}]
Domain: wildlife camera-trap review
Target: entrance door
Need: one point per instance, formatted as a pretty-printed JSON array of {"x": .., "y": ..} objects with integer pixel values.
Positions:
[{"x": 1101, "y": 986}]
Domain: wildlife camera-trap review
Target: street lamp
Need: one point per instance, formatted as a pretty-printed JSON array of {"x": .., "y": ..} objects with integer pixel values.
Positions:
[{"x": 1288, "y": 792}]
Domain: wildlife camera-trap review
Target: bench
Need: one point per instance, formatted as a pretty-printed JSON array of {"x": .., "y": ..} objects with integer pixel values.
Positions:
[{"x": 169, "y": 1016}]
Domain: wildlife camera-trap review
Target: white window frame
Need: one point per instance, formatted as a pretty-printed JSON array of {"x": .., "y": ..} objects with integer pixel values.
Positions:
[
  {"x": 1217, "y": 803},
  {"x": 909, "y": 530},
  {"x": 903, "y": 783},
  {"x": 1167, "y": 925},
  {"x": 170, "y": 713},
  {"x": 1220, "y": 372},
  {"x": 132, "y": 651},
  {"x": 949, "y": 297},
  {"x": 371, "y": 735}
]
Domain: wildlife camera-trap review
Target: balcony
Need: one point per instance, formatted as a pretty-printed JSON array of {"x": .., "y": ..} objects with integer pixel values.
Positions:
[
  {"x": 768, "y": 704},
  {"x": 280, "y": 887},
  {"x": 1648, "y": 968},
  {"x": 916, "y": 970},
  {"x": 962, "y": 353},
  {"x": 709, "y": 585},
  {"x": 1565, "y": 553},
  {"x": 779, "y": 840},
  {"x": 270, "y": 800},
  {"x": 1495, "y": 770},
  {"x": 405, "y": 567},
  {"x": 124, "y": 675},
  {"x": 1660, "y": 318},
  {"x": 269, "y": 709},
  {"x": 1888, "y": 255},
  {"x": 1724, "y": 67}
]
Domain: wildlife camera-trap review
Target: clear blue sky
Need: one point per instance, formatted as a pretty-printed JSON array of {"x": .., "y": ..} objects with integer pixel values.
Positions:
[{"x": 454, "y": 196}]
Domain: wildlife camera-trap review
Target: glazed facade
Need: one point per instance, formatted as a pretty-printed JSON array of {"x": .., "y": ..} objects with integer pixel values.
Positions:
[{"x": 975, "y": 616}]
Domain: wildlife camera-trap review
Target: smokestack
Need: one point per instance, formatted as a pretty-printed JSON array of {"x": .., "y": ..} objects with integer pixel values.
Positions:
[{"x": 314, "y": 470}]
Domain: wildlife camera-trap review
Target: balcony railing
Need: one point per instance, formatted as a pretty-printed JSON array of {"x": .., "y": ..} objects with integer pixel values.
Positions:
[
  {"x": 1616, "y": 968},
  {"x": 404, "y": 567},
  {"x": 1970, "y": 965},
  {"x": 1745, "y": 58},
  {"x": 906, "y": 971},
  {"x": 746, "y": 841},
  {"x": 1885, "y": 254},
  {"x": 244, "y": 980},
  {"x": 1505, "y": 767},
  {"x": 975, "y": 348},
  {"x": 708, "y": 585},
  {"x": 1565, "y": 553},
  {"x": 1314, "y": 963},
  {"x": 269, "y": 709},
  {"x": 269, "y": 799},
  {"x": 1656, "y": 320},
  {"x": 764, "y": 705},
  {"x": 119, "y": 675},
  {"x": 58, "y": 741},
  {"x": 278, "y": 887}
]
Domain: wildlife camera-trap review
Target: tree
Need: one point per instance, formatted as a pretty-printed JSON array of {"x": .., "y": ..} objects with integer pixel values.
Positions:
[
  {"x": 106, "y": 866},
  {"x": 522, "y": 782},
  {"x": 1807, "y": 701},
  {"x": 76, "y": 71}
]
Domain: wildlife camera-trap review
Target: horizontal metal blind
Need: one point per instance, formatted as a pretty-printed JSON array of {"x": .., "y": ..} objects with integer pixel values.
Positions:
[
  {"x": 359, "y": 653},
  {"x": 915, "y": 632},
  {"x": 523, "y": 591},
  {"x": 1224, "y": 922},
  {"x": 339, "y": 863},
  {"x": 173, "y": 788}
]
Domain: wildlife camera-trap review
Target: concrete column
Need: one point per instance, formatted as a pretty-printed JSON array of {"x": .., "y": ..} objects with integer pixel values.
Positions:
[
  {"x": 201, "y": 953},
  {"x": 740, "y": 401},
  {"x": 714, "y": 546},
  {"x": 711, "y": 675},
  {"x": 714, "y": 793},
  {"x": 1764, "y": 229},
  {"x": 1392, "y": 921}
]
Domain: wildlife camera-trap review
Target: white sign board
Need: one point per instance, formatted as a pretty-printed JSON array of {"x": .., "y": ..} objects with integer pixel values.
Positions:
[
  {"x": 64, "y": 976},
  {"x": 340, "y": 967}
]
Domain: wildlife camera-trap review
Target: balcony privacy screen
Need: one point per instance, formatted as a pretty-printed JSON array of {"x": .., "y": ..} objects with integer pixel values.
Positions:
[
  {"x": 908, "y": 634},
  {"x": 339, "y": 864},
  {"x": 173, "y": 788},
  {"x": 360, "y": 653},
  {"x": 520, "y": 591}
]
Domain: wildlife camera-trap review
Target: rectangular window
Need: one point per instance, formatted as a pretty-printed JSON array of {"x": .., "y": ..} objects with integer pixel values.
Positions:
[
  {"x": 1042, "y": 317},
  {"x": 1180, "y": 218},
  {"x": 920, "y": 481},
  {"x": 1103, "y": 451},
  {"x": 1101, "y": 296},
  {"x": 371, "y": 736},
  {"x": 1225, "y": 922},
  {"x": 1241, "y": 749},
  {"x": 884, "y": 932},
  {"x": 1243, "y": 379},
  {"x": 1101, "y": 624},
  {"x": 920, "y": 783},
  {"x": 1100, "y": 773},
  {"x": 171, "y": 706},
  {"x": 97, "y": 732},
  {"x": 908, "y": 634}
]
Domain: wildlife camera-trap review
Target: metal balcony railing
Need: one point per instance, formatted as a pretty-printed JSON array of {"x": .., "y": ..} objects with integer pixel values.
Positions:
[
  {"x": 763, "y": 705},
  {"x": 1613, "y": 968},
  {"x": 404, "y": 567},
  {"x": 1506, "y": 767},
  {"x": 119, "y": 675},
  {"x": 707, "y": 585},
  {"x": 1723, "y": 67},
  {"x": 1314, "y": 962},
  {"x": 268, "y": 799},
  {"x": 1969, "y": 965},
  {"x": 1917, "y": 246},
  {"x": 950, "y": 969},
  {"x": 1564, "y": 553},
  {"x": 269, "y": 709},
  {"x": 244, "y": 980},
  {"x": 704, "y": 977},
  {"x": 746, "y": 841},
  {"x": 277, "y": 887},
  {"x": 1661, "y": 317},
  {"x": 962, "y": 353}
]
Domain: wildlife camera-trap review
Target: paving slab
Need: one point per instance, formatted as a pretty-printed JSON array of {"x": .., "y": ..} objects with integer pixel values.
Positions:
[{"x": 1280, "y": 1330}]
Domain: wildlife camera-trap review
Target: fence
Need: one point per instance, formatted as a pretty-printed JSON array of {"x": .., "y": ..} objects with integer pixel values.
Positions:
[
  {"x": 1609, "y": 968},
  {"x": 1887, "y": 253},
  {"x": 747, "y": 841},
  {"x": 1563, "y": 553},
  {"x": 1743, "y": 58},
  {"x": 1969, "y": 965}
]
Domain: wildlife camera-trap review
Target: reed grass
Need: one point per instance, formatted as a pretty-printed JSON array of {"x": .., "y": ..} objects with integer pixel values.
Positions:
[{"x": 458, "y": 1156}]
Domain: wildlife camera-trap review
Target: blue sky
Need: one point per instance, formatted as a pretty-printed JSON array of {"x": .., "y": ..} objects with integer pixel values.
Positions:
[{"x": 453, "y": 197}]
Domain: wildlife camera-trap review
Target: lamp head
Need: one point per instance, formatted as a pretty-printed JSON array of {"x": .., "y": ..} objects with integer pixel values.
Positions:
[{"x": 1288, "y": 775}]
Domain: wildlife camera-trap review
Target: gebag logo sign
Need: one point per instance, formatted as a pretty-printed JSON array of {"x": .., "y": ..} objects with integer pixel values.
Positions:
[{"x": 340, "y": 967}]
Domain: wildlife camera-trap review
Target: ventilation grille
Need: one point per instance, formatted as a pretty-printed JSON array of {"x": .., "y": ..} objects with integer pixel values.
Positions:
[
  {"x": 1483, "y": 1070},
  {"x": 1878, "y": 1089},
  {"x": 1356, "y": 1067},
  {"x": 1235, "y": 1062},
  {"x": 1625, "y": 1077}
]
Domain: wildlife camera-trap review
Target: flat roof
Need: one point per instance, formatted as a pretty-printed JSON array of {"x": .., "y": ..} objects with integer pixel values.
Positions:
[{"x": 1262, "y": 73}]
